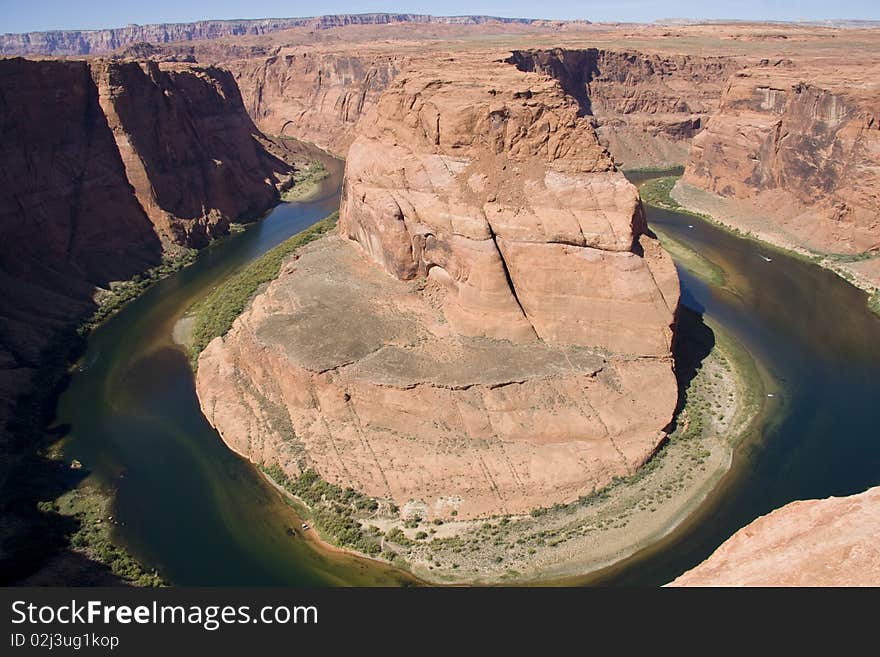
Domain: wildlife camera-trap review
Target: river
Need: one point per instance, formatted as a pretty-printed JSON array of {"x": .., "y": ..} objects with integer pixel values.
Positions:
[
  {"x": 186, "y": 504},
  {"x": 203, "y": 516}
]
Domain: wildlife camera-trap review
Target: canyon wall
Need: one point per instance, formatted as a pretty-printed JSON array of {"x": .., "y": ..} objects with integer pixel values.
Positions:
[
  {"x": 105, "y": 167},
  {"x": 646, "y": 107},
  {"x": 89, "y": 42},
  {"x": 311, "y": 95},
  {"x": 489, "y": 332},
  {"x": 191, "y": 152},
  {"x": 831, "y": 542},
  {"x": 68, "y": 218},
  {"x": 801, "y": 148}
]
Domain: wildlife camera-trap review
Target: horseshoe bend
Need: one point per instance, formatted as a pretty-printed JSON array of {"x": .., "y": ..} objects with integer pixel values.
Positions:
[{"x": 581, "y": 304}]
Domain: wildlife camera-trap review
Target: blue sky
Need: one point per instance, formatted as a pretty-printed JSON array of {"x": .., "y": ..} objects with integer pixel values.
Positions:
[{"x": 31, "y": 15}]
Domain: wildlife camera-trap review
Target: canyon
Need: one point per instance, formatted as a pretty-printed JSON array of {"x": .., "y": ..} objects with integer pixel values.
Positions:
[
  {"x": 106, "y": 167},
  {"x": 502, "y": 316},
  {"x": 109, "y": 169}
]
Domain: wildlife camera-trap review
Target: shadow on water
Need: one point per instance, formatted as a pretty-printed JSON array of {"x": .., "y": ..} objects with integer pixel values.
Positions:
[
  {"x": 34, "y": 537},
  {"x": 693, "y": 342}
]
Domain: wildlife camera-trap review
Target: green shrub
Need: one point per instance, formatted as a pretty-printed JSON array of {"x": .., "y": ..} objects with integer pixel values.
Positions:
[
  {"x": 215, "y": 313},
  {"x": 874, "y": 303}
]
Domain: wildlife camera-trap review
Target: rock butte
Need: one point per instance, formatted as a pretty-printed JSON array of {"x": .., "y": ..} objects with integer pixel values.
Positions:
[
  {"x": 491, "y": 330},
  {"x": 831, "y": 542}
]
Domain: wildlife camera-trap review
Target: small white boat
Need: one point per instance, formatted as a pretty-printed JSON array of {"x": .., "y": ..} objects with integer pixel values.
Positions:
[
  {"x": 770, "y": 394},
  {"x": 690, "y": 225},
  {"x": 767, "y": 259}
]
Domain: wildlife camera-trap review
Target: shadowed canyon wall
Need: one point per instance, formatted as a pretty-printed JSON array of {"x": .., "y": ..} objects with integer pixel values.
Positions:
[
  {"x": 68, "y": 217},
  {"x": 105, "y": 168},
  {"x": 191, "y": 152}
]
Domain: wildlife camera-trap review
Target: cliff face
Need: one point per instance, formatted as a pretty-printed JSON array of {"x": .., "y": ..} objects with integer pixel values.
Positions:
[
  {"x": 313, "y": 96},
  {"x": 89, "y": 42},
  {"x": 831, "y": 542},
  {"x": 803, "y": 148},
  {"x": 191, "y": 152},
  {"x": 499, "y": 322},
  {"x": 103, "y": 166},
  {"x": 646, "y": 107},
  {"x": 68, "y": 218}
]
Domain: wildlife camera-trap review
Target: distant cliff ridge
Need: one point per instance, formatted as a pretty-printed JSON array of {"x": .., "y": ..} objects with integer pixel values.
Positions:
[{"x": 90, "y": 42}]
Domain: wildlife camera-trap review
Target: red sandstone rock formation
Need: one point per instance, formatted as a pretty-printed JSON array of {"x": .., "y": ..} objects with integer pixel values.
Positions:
[
  {"x": 802, "y": 145},
  {"x": 831, "y": 542},
  {"x": 494, "y": 333},
  {"x": 313, "y": 95},
  {"x": 190, "y": 150},
  {"x": 490, "y": 183}
]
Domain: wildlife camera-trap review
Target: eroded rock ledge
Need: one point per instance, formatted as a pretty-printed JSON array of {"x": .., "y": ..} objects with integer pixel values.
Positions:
[
  {"x": 830, "y": 542},
  {"x": 489, "y": 332}
]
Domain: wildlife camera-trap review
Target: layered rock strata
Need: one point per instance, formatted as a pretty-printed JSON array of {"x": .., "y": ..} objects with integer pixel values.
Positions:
[
  {"x": 90, "y": 42},
  {"x": 801, "y": 149},
  {"x": 646, "y": 107},
  {"x": 191, "y": 152},
  {"x": 831, "y": 542},
  {"x": 312, "y": 95},
  {"x": 490, "y": 332}
]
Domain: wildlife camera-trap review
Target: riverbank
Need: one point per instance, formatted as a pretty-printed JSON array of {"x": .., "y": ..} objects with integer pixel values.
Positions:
[
  {"x": 213, "y": 316},
  {"x": 669, "y": 193},
  {"x": 306, "y": 183},
  {"x": 90, "y": 507}
]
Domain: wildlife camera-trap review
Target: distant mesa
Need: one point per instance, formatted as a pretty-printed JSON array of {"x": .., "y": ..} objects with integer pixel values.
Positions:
[{"x": 96, "y": 42}]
